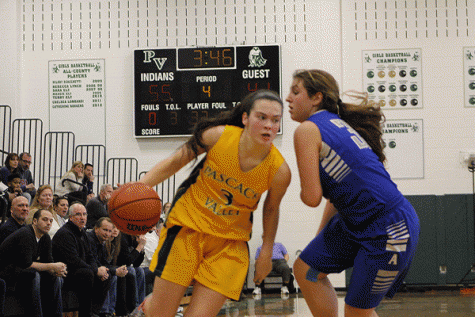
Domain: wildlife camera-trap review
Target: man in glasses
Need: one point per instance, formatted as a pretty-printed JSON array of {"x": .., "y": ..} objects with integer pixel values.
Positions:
[
  {"x": 71, "y": 246},
  {"x": 26, "y": 178}
]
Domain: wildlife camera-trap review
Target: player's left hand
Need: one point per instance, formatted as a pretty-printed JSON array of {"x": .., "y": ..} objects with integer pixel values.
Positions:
[{"x": 263, "y": 268}]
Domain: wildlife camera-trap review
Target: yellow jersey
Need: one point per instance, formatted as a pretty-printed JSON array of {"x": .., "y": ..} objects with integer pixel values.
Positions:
[{"x": 222, "y": 198}]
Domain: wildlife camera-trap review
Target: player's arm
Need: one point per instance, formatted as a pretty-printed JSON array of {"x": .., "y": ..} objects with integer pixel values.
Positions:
[
  {"x": 307, "y": 143},
  {"x": 169, "y": 166},
  {"x": 270, "y": 220},
  {"x": 328, "y": 213}
]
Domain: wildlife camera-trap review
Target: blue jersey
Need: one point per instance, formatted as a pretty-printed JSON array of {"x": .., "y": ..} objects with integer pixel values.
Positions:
[{"x": 353, "y": 178}]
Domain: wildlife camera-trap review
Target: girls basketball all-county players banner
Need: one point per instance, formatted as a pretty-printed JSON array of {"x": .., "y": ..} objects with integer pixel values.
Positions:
[
  {"x": 469, "y": 75},
  {"x": 393, "y": 77},
  {"x": 404, "y": 148},
  {"x": 77, "y": 99}
]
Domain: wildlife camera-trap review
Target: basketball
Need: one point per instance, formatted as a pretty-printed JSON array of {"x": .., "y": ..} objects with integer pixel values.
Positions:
[{"x": 135, "y": 208}]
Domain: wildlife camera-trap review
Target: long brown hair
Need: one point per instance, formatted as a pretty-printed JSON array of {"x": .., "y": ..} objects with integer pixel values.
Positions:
[
  {"x": 365, "y": 117},
  {"x": 113, "y": 249},
  {"x": 230, "y": 117},
  {"x": 10, "y": 157}
]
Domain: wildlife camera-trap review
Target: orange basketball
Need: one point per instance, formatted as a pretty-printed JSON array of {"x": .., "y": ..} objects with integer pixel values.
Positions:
[{"x": 135, "y": 208}]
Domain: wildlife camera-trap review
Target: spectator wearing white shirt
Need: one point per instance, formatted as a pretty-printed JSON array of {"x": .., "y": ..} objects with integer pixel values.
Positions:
[{"x": 150, "y": 246}]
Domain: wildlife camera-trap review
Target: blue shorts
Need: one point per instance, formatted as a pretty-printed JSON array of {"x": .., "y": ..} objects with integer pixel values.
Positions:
[{"x": 380, "y": 263}]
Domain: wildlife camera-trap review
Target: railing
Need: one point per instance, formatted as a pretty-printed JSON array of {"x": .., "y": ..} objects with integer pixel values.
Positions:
[
  {"x": 121, "y": 170},
  {"x": 5, "y": 130},
  {"x": 94, "y": 154},
  {"x": 27, "y": 136},
  {"x": 165, "y": 190},
  {"x": 58, "y": 156},
  {"x": 54, "y": 153}
]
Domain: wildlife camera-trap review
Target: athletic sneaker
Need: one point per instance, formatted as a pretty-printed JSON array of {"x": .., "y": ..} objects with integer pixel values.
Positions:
[
  {"x": 284, "y": 290},
  {"x": 257, "y": 291}
]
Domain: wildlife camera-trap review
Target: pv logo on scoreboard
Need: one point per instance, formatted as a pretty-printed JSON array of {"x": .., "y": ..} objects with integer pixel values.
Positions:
[{"x": 159, "y": 61}]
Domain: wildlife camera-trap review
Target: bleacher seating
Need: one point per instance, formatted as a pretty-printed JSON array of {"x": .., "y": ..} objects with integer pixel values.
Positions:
[{"x": 53, "y": 154}]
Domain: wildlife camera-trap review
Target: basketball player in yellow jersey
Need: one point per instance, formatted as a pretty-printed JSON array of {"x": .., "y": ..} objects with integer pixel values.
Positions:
[{"x": 205, "y": 236}]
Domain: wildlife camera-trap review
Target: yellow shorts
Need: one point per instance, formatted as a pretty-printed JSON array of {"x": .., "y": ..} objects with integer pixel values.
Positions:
[{"x": 184, "y": 255}]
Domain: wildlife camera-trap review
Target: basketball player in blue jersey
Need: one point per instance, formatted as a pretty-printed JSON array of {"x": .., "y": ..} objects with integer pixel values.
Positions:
[{"x": 367, "y": 224}]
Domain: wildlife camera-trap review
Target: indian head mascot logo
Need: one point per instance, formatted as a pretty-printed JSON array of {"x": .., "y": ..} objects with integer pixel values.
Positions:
[{"x": 255, "y": 58}]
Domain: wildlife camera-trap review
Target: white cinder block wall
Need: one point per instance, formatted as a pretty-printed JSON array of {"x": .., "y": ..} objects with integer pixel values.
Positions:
[{"x": 313, "y": 34}]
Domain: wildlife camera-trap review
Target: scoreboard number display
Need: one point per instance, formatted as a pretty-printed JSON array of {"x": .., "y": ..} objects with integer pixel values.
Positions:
[{"x": 174, "y": 88}]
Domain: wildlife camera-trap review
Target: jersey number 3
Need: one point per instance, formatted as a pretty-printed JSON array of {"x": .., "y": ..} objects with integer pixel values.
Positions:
[{"x": 359, "y": 141}]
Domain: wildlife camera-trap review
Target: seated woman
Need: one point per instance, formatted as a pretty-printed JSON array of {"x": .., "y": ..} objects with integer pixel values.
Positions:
[
  {"x": 128, "y": 289},
  {"x": 11, "y": 166},
  {"x": 70, "y": 184},
  {"x": 112, "y": 252},
  {"x": 43, "y": 200},
  {"x": 131, "y": 289}
]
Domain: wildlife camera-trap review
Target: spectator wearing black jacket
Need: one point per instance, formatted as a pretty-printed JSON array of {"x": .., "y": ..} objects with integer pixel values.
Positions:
[
  {"x": 19, "y": 212},
  {"x": 88, "y": 181},
  {"x": 97, "y": 239},
  {"x": 26, "y": 265},
  {"x": 85, "y": 278},
  {"x": 3, "y": 290},
  {"x": 97, "y": 206},
  {"x": 27, "y": 181}
]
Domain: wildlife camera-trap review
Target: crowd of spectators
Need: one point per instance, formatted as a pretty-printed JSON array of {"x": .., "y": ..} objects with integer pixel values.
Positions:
[{"x": 57, "y": 242}]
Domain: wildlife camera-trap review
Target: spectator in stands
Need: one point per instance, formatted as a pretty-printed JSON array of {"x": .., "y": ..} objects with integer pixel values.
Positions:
[
  {"x": 10, "y": 167},
  {"x": 131, "y": 290},
  {"x": 3, "y": 290},
  {"x": 166, "y": 210},
  {"x": 88, "y": 180},
  {"x": 26, "y": 265},
  {"x": 97, "y": 206},
  {"x": 151, "y": 245},
  {"x": 19, "y": 212},
  {"x": 98, "y": 237},
  {"x": 27, "y": 182},
  {"x": 71, "y": 246},
  {"x": 14, "y": 189},
  {"x": 280, "y": 266},
  {"x": 113, "y": 246},
  {"x": 112, "y": 252},
  {"x": 60, "y": 206},
  {"x": 43, "y": 200},
  {"x": 71, "y": 184}
]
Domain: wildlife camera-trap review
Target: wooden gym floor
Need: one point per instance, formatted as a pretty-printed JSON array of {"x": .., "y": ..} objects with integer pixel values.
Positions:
[{"x": 417, "y": 304}]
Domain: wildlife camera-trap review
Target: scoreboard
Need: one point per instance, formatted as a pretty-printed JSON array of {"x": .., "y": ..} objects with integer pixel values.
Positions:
[{"x": 174, "y": 88}]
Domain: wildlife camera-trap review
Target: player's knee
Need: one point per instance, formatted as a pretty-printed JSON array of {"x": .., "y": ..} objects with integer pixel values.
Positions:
[
  {"x": 351, "y": 311},
  {"x": 304, "y": 272}
]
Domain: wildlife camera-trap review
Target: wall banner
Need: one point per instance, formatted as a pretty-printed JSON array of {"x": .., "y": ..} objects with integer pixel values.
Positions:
[
  {"x": 77, "y": 99},
  {"x": 469, "y": 76},
  {"x": 404, "y": 148},
  {"x": 393, "y": 77}
]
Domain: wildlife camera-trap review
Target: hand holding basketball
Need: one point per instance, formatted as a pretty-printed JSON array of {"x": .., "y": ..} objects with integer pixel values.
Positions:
[{"x": 135, "y": 208}]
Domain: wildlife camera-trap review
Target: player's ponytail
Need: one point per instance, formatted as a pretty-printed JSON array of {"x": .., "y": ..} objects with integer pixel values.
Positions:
[{"x": 230, "y": 117}]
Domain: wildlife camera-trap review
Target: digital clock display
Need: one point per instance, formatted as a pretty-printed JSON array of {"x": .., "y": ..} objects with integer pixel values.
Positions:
[
  {"x": 212, "y": 57},
  {"x": 174, "y": 88}
]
